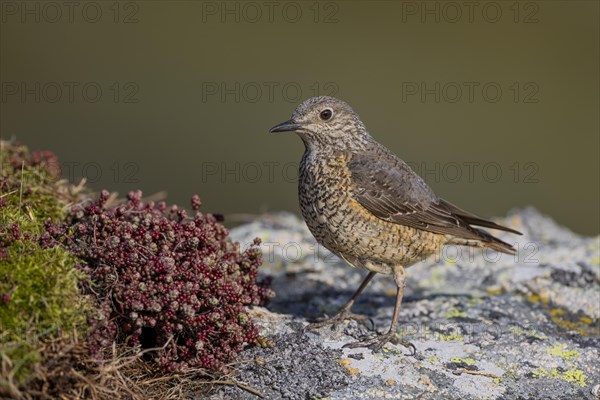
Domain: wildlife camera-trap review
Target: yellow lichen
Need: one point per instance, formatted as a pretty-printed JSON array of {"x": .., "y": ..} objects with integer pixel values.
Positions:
[
  {"x": 529, "y": 332},
  {"x": 346, "y": 364},
  {"x": 495, "y": 290},
  {"x": 541, "y": 297},
  {"x": 573, "y": 375},
  {"x": 556, "y": 312},
  {"x": 454, "y": 313},
  {"x": 435, "y": 280},
  {"x": 458, "y": 360},
  {"x": 583, "y": 326},
  {"x": 474, "y": 300},
  {"x": 560, "y": 351},
  {"x": 451, "y": 337}
]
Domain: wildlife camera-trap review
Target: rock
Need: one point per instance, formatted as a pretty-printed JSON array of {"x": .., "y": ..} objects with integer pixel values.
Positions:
[
  {"x": 298, "y": 368},
  {"x": 485, "y": 325}
]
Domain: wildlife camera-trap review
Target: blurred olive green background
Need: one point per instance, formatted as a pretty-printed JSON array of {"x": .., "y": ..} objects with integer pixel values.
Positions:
[{"x": 190, "y": 89}]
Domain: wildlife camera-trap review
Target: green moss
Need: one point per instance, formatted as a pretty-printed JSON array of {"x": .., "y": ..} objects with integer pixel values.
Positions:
[
  {"x": 44, "y": 301},
  {"x": 43, "y": 291},
  {"x": 31, "y": 193},
  {"x": 40, "y": 298}
]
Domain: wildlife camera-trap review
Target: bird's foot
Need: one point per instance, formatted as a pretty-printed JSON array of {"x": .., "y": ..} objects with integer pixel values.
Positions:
[
  {"x": 336, "y": 319},
  {"x": 376, "y": 343}
]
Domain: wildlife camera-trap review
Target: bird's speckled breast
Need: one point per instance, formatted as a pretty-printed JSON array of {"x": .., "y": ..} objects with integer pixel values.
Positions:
[{"x": 345, "y": 227}]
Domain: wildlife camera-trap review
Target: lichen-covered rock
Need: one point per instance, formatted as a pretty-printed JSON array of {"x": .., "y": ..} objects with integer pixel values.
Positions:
[{"x": 485, "y": 325}]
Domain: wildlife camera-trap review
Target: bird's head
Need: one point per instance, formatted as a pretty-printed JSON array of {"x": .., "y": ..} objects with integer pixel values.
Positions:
[{"x": 326, "y": 123}]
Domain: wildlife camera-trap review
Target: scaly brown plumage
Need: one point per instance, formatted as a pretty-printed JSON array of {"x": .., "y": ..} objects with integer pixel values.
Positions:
[{"x": 368, "y": 206}]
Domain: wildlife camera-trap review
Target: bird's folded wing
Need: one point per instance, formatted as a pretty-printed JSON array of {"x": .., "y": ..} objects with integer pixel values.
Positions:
[{"x": 389, "y": 189}]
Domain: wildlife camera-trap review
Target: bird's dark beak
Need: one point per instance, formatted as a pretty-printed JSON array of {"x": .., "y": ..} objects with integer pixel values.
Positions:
[{"x": 287, "y": 126}]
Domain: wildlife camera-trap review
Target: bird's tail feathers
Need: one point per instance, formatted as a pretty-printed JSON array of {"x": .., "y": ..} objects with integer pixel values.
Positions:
[
  {"x": 485, "y": 240},
  {"x": 473, "y": 219}
]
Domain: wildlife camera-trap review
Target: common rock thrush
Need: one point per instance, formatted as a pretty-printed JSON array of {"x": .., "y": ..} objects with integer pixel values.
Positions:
[{"x": 369, "y": 207}]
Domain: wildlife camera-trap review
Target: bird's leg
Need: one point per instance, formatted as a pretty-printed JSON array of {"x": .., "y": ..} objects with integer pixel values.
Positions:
[
  {"x": 379, "y": 341},
  {"x": 345, "y": 312}
]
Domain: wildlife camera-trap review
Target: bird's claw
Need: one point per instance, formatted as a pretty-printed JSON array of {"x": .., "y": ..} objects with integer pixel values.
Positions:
[
  {"x": 376, "y": 343},
  {"x": 336, "y": 319}
]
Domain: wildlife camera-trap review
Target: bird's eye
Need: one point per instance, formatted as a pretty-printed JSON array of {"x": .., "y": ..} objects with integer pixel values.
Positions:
[{"x": 326, "y": 114}]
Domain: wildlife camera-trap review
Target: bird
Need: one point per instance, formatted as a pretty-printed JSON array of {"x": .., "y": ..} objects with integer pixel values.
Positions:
[{"x": 367, "y": 206}]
